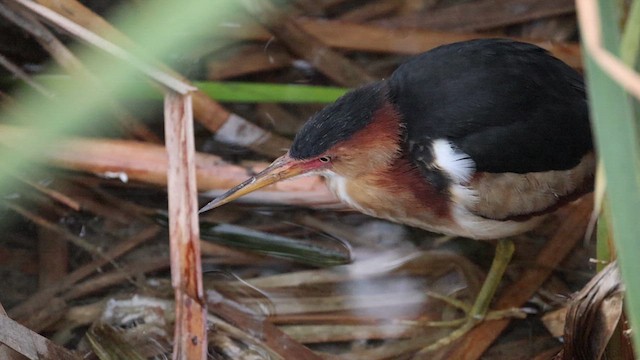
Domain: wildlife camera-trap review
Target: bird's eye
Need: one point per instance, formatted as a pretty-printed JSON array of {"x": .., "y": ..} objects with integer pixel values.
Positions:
[{"x": 325, "y": 159}]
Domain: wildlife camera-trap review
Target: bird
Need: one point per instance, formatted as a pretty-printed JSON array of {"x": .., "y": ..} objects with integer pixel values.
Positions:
[{"x": 480, "y": 139}]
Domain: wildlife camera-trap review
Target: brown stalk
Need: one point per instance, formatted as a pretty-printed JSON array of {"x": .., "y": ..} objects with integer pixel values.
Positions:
[
  {"x": 310, "y": 334},
  {"x": 42, "y": 297},
  {"x": 332, "y": 64},
  {"x": 295, "y": 305},
  {"x": 48, "y": 225},
  {"x": 190, "y": 338},
  {"x": 97, "y": 201},
  {"x": 114, "y": 277},
  {"x": 56, "y": 308},
  {"x": 208, "y": 112},
  {"x": 30, "y": 344},
  {"x": 483, "y": 14},
  {"x": 247, "y": 60},
  {"x": 372, "y": 10},
  {"x": 149, "y": 164},
  {"x": 53, "y": 258},
  {"x": 274, "y": 338},
  {"x": 20, "y": 74},
  {"x": 5, "y": 351},
  {"x": 276, "y": 116},
  {"x": 568, "y": 235},
  {"x": 58, "y": 51},
  {"x": 54, "y": 195},
  {"x": 415, "y": 263},
  {"x": 376, "y": 38}
]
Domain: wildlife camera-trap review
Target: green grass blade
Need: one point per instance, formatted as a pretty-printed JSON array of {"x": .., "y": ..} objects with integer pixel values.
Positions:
[
  {"x": 630, "y": 42},
  {"x": 618, "y": 145},
  {"x": 160, "y": 25},
  {"x": 258, "y": 92},
  {"x": 241, "y": 92}
]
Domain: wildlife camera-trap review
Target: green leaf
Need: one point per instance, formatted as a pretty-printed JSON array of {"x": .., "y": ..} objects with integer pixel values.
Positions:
[
  {"x": 314, "y": 248},
  {"x": 618, "y": 144}
]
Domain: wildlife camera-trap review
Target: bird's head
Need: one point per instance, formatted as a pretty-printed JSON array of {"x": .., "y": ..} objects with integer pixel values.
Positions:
[{"x": 360, "y": 133}]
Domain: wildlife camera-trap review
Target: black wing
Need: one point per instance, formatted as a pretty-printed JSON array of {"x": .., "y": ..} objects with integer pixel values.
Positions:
[{"x": 510, "y": 106}]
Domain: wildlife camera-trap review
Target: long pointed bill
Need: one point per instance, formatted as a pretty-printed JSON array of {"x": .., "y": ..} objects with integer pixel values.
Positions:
[{"x": 282, "y": 168}]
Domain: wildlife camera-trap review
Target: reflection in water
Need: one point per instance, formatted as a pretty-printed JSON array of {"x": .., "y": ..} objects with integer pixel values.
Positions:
[{"x": 371, "y": 302}]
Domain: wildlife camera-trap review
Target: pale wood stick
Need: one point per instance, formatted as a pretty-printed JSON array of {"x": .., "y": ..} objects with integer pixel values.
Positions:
[
  {"x": 190, "y": 334},
  {"x": 134, "y": 160}
]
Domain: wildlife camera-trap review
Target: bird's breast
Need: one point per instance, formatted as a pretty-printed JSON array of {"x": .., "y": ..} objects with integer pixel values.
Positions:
[
  {"x": 394, "y": 201},
  {"x": 418, "y": 206}
]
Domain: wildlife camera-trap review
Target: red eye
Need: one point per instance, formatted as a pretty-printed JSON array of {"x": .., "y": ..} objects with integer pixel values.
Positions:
[{"x": 325, "y": 159}]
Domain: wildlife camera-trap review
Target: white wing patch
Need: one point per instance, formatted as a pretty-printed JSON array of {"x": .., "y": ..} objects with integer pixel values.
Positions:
[{"x": 458, "y": 165}]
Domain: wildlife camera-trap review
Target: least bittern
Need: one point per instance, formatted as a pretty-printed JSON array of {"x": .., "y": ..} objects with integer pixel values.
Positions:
[{"x": 479, "y": 139}]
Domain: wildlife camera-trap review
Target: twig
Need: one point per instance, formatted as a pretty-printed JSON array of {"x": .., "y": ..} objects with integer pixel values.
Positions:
[
  {"x": 58, "y": 51},
  {"x": 42, "y": 297},
  {"x": 335, "y": 66},
  {"x": 40, "y": 221},
  {"x": 376, "y": 38},
  {"x": 55, "y": 195},
  {"x": 273, "y": 337},
  {"x": 190, "y": 340},
  {"x": 5, "y": 351},
  {"x": 17, "y": 71},
  {"x": 248, "y": 59},
  {"x": 114, "y": 277},
  {"x": 31, "y": 344},
  {"x": 308, "y": 334},
  {"x": 483, "y": 14},
  {"x": 371, "y": 10},
  {"x": 53, "y": 258}
]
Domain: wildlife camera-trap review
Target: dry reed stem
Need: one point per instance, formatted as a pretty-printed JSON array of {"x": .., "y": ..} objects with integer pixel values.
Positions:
[
  {"x": 371, "y": 10},
  {"x": 5, "y": 351},
  {"x": 24, "y": 19},
  {"x": 53, "y": 258},
  {"x": 483, "y": 14},
  {"x": 279, "y": 342},
  {"x": 114, "y": 277},
  {"x": 149, "y": 164},
  {"x": 30, "y": 344},
  {"x": 53, "y": 194},
  {"x": 248, "y": 59},
  {"x": 375, "y": 38},
  {"x": 20, "y": 74},
  {"x": 57, "y": 229},
  {"x": 331, "y": 63},
  {"x": 190, "y": 338},
  {"x": 42, "y": 297}
]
